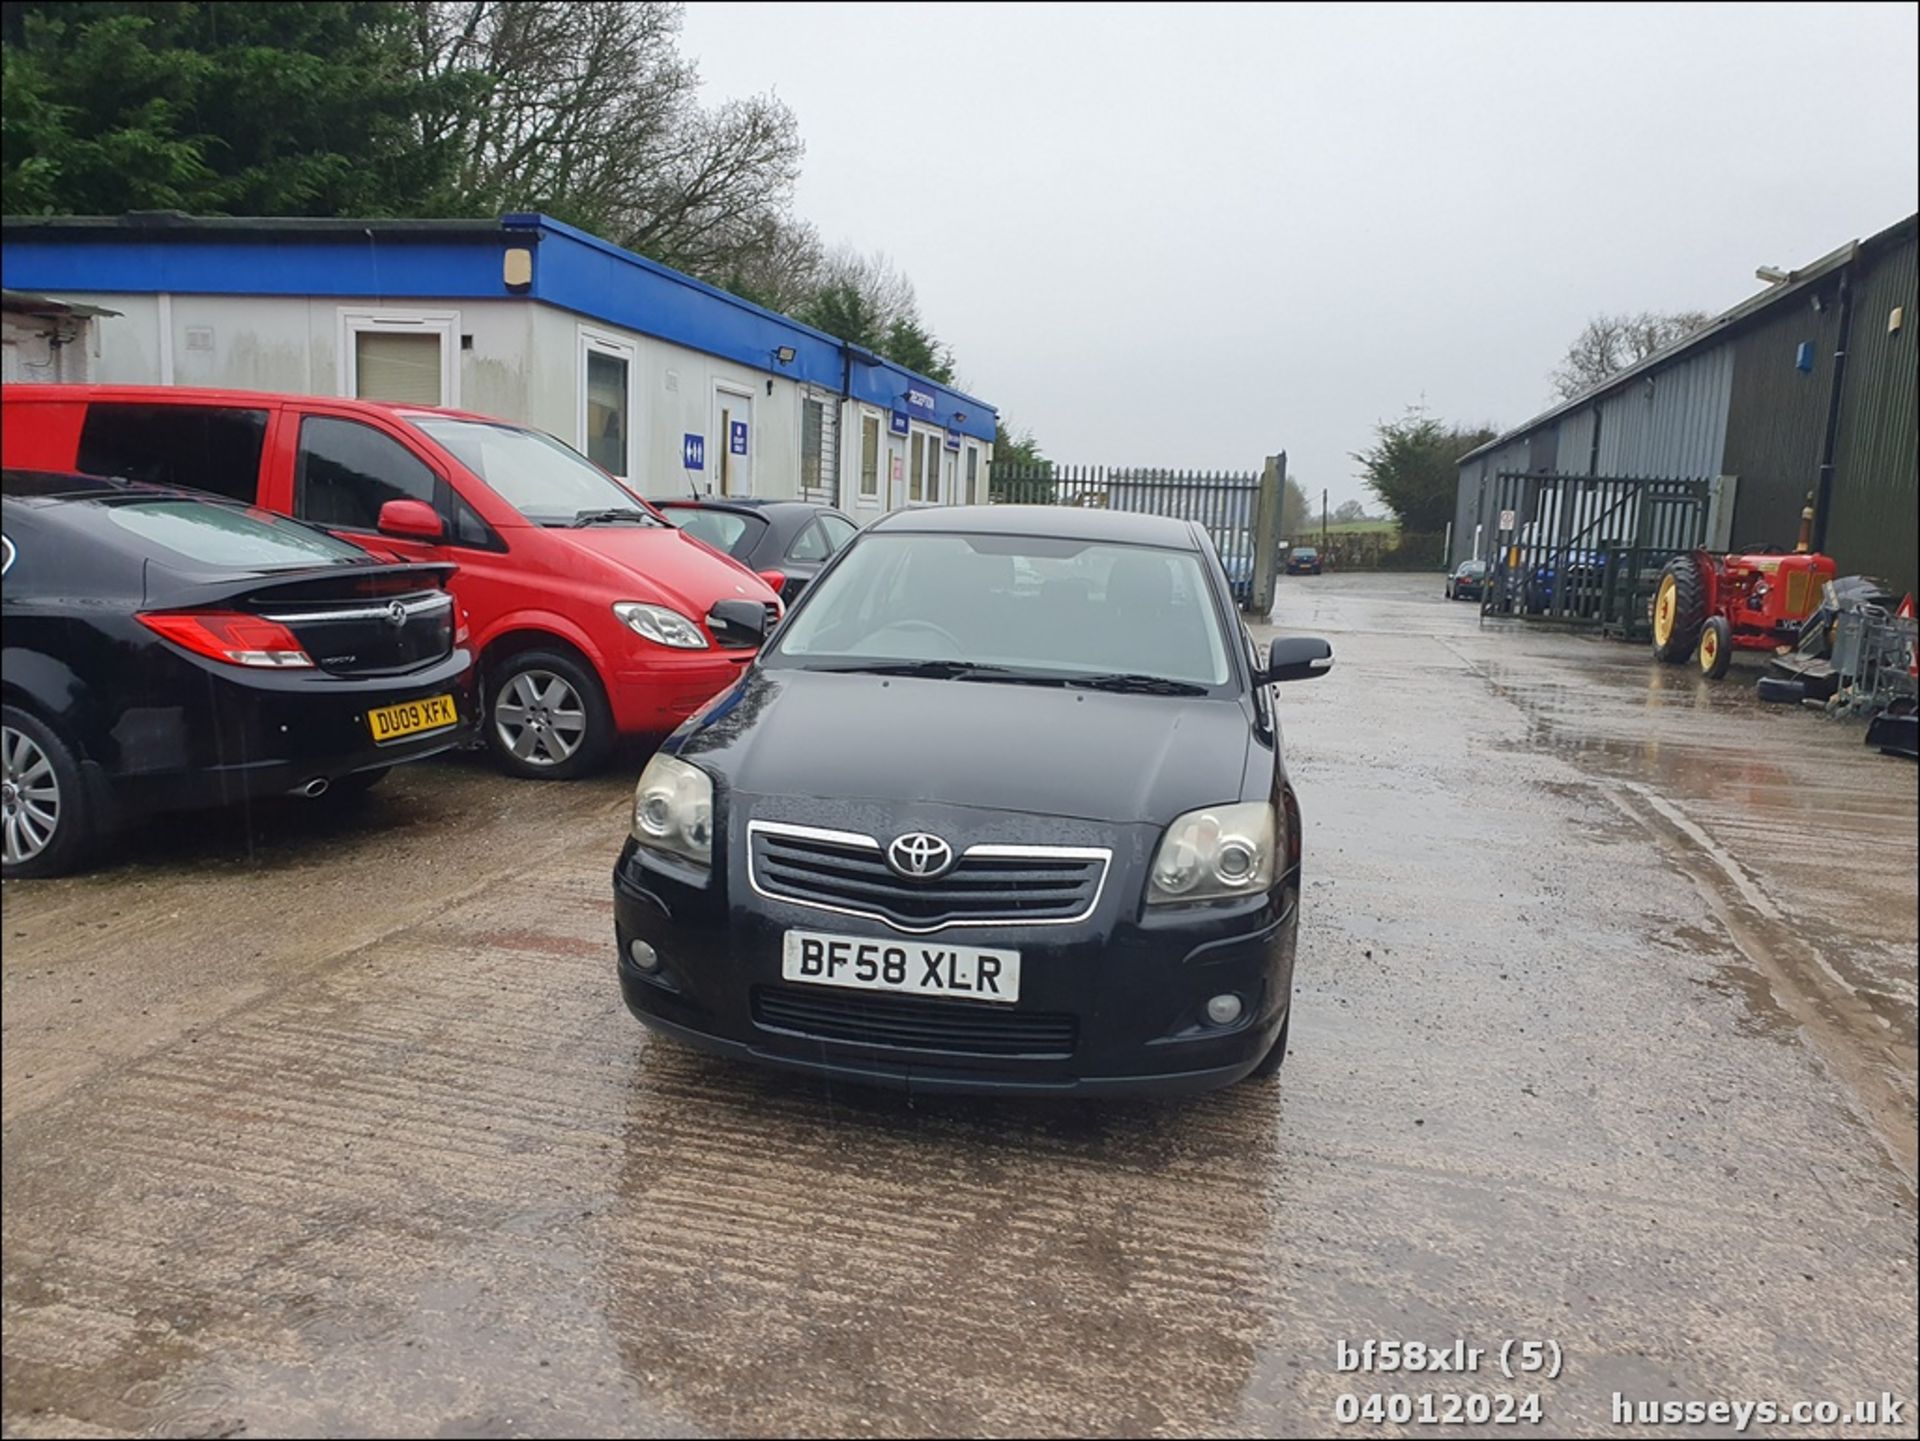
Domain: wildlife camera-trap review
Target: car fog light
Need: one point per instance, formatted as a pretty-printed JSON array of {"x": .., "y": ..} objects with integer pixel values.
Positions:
[
  {"x": 1221, "y": 1010},
  {"x": 646, "y": 958}
]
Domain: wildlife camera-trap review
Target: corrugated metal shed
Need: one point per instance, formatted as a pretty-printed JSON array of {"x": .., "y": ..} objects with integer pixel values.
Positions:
[
  {"x": 1732, "y": 400},
  {"x": 1779, "y": 415},
  {"x": 1575, "y": 454},
  {"x": 1670, "y": 422},
  {"x": 1476, "y": 498},
  {"x": 1872, "y": 516}
]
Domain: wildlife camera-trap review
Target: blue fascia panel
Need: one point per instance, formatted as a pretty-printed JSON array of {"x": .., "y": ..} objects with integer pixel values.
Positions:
[
  {"x": 295, "y": 265},
  {"x": 572, "y": 270},
  {"x": 594, "y": 278}
]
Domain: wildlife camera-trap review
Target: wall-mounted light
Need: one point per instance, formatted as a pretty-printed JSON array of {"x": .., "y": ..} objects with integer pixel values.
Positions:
[
  {"x": 516, "y": 268},
  {"x": 785, "y": 354},
  {"x": 958, "y": 416}
]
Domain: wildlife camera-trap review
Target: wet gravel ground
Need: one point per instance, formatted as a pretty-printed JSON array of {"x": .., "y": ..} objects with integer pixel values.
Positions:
[{"x": 329, "y": 1120}]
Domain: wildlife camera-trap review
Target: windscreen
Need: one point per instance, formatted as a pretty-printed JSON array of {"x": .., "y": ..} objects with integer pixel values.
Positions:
[
  {"x": 1055, "y": 607},
  {"x": 724, "y": 530},
  {"x": 544, "y": 480}
]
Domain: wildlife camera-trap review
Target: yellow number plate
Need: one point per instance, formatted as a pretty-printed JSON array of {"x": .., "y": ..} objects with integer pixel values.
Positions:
[{"x": 391, "y": 722}]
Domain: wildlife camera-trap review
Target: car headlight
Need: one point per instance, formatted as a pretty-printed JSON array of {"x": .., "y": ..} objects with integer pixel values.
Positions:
[
  {"x": 660, "y": 624},
  {"x": 1214, "y": 852},
  {"x": 673, "y": 809}
]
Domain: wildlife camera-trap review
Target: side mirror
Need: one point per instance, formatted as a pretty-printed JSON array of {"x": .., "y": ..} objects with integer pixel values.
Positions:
[
  {"x": 747, "y": 617},
  {"x": 1297, "y": 657},
  {"x": 410, "y": 520},
  {"x": 776, "y": 580}
]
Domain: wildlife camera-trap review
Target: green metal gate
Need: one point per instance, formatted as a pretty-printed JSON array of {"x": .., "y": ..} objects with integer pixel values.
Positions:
[{"x": 1586, "y": 549}]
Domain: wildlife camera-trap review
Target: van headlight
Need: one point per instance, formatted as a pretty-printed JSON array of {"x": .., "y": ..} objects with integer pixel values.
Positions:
[
  {"x": 673, "y": 809},
  {"x": 660, "y": 624},
  {"x": 1214, "y": 852}
]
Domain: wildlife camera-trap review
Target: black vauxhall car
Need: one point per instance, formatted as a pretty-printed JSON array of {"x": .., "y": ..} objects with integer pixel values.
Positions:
[
  {"x": 1000, "y": 807},
  {"x": 167, "y": 649}
]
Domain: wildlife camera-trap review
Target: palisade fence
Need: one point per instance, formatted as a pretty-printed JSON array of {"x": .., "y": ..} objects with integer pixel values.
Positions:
[
  {"x": 1226, "y": 503},
  {"x": 1586, "y": 549}
]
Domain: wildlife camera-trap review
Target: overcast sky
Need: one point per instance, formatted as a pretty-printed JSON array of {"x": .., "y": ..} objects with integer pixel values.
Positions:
[{"x": 1190, "y": 236}]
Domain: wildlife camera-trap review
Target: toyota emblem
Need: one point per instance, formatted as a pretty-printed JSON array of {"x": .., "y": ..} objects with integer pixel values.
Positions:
[
  {"x": 919, "y": 856},
  {"x": 396, "y": 614}
]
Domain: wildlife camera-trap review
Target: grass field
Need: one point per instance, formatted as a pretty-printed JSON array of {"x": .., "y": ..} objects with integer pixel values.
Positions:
[{"x": 1387, "y": 526}]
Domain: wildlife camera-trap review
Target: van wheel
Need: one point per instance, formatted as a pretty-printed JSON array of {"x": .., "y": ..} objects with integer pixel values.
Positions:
[
  {"x": 43, "y": 802},
  {"x": 547, "y": 717}
]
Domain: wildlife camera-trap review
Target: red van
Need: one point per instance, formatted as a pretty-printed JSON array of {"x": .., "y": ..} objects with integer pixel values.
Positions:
[{"x": 592, "y": 617}]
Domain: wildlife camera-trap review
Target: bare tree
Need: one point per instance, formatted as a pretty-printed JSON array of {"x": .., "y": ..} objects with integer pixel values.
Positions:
[
  {"x": 586, "y": 109},
  {"x": 883, "y": 287},
  {"x": 1611, "y": 343}
]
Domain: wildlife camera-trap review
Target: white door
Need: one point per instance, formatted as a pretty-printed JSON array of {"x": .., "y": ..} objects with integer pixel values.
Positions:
[
  {"x": 896, "y": 471},
  {"x": 733, "y": 438}
]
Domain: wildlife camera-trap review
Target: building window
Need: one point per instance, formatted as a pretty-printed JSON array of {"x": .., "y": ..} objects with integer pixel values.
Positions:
[
  {"x": 813, "y": 417},
  {"x": 607, "y": 412},
  {"x": 973, "y": 475},
  {"x": 870, "y": 457},
  {"x": 934, "y": 469},
  {"x": 605, "y": 420},
  {"x": 409, "y": 357}
]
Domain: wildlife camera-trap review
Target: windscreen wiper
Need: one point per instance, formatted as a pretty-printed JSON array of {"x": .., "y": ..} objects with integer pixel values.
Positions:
[
  {"x": 1137, "y": 684},
  {"x": 611, "y": 517},
  {"x": 942, "y": 670}
]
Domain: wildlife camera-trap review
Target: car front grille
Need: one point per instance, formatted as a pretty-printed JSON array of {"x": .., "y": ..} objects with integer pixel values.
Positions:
[
  {"x": 989, "y": 885},
  {"x": 909, "y": 1024}
]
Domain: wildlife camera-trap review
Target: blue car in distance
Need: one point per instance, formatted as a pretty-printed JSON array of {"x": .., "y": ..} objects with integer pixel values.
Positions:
[{"x": 1303, "y": 560}]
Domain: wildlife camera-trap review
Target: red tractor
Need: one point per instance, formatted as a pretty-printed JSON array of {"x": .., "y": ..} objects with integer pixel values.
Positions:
[{"x": 1754, "y": 602}]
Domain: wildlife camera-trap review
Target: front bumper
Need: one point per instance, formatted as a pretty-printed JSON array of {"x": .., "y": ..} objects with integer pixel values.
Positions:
[
  {"x": 1133, "y": 989},
  {"x": 662, "y": 688}
]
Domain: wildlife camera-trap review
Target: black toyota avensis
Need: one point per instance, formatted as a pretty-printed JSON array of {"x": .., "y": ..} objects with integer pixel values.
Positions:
[{"x": 999, "y": 807}]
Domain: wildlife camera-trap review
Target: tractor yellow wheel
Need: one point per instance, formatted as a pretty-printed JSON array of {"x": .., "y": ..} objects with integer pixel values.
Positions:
[
  {"x": 1665, "y": 603},
  {"x": 1679, "y": 610},
  {"x": 1716, "y": 647}
]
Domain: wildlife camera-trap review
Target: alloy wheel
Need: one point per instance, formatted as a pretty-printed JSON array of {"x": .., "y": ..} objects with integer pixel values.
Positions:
[
  {"x": 29, "y": 797},
  {"x": 540, "y": 718}
]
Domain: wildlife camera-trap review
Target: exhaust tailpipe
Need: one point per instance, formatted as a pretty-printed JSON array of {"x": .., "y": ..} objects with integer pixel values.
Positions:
[{"x": 313, "y": 789}]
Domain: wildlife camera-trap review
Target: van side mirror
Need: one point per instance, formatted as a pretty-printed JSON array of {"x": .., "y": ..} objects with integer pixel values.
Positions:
[
  {"x": 747, "y": 617},
  {"x": 1297, "y": 657},
  {"x": 410, "y": 520}
]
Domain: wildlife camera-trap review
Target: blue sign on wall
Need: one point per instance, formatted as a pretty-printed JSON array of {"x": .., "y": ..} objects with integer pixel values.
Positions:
[
  {"x": 921, "y": 402},
  {"x": 953, "y": 439},
  {"x": 900, "y": 423},
  {"x": 737, "y": 437},
  {"x": 693, "y": 452}
]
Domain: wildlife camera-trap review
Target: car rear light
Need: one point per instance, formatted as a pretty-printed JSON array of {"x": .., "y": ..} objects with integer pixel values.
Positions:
[{"x": 230, "y": 636}]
